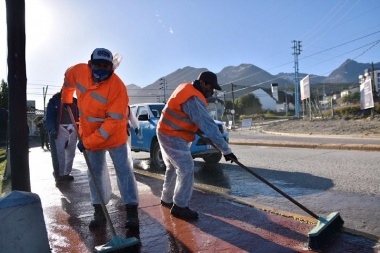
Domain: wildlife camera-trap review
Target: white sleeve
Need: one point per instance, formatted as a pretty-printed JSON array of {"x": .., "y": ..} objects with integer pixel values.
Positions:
[
  {"x": 133, "y": 120},
  {"x": 198, "y": 114}
]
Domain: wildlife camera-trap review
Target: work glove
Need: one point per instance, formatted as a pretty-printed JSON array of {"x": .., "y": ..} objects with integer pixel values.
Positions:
[
  {"x": 53, "y": 134},
  {"x": 230, "y": 157},
  {"x": 136, "y": 131},
  {"x": 80, "y": 146}
]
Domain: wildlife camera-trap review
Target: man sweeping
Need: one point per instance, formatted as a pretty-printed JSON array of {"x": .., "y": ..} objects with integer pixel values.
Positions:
[
  {"x": 102, "y": 102},
  {"x": 185, "y": 113}
]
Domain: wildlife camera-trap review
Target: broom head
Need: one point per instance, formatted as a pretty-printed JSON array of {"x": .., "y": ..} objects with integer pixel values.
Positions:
[
  {"x": 325, "y": 230},
  {"x": 117, "y": 243}
]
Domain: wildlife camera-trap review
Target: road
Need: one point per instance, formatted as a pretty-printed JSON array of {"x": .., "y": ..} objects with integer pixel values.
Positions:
[
  {"x": 324, "y": 181},
  {"x": 255, "y": 134}
]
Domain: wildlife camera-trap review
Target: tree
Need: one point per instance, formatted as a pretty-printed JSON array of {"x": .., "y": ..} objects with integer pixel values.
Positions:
[
  {"x": 248, "y": 104},
  {"x": 228, "y": 105},
  {"x": 352, "y": 98},
  {"x": 4, "y": 95}
]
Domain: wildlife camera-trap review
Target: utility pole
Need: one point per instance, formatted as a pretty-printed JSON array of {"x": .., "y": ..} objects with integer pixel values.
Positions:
[
  {"x": 163, "y": 83},
  {"x": 224, "y": 104},
  {"x": 286, "y": 100},
  {"x": 374, "y": 92},
  {"x": 44, "y": 94},
  {"x": 233, "y": 104},
  {"x": 216, "y": 104},
  {"x": 18, "y": 134},
  {"x": 296, "y": 51}
]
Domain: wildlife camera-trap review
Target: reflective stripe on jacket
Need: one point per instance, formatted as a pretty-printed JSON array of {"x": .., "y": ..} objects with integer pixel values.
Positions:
[
  {"x": 102, "y": 107},
  {"x": 174, "y": 121}
]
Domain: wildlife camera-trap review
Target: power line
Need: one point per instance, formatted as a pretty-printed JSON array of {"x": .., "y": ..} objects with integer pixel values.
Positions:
[
  {"x": 345, "y": 43},
  {"x": 342, "y": 44}
]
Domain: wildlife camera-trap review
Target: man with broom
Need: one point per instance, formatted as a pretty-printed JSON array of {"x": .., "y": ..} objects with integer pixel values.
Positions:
[
  {"x": 185, "y": 113},
  {"x": 102, "y": 102}
]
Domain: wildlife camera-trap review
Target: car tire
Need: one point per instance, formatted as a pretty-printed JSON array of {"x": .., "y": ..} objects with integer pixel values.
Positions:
[
  {"x": 156, "y": 156},
  {"x": 212, "y": 158}
]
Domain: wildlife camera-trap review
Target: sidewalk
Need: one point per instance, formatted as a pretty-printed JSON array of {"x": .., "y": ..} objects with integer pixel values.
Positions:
[{"x": 224, "y": 225}]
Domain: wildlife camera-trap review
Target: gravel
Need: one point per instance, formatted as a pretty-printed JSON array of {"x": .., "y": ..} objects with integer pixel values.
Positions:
[{"x": 368, "y": 126}]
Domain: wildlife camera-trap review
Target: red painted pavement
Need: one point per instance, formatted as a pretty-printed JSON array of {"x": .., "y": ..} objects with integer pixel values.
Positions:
[{"x": 223, "y": 225}]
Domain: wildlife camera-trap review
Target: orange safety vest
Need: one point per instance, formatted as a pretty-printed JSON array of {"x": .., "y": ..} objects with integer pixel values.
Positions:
[
  {"x": 102, "y": 107},
  {"x": 174, "y": 121}
]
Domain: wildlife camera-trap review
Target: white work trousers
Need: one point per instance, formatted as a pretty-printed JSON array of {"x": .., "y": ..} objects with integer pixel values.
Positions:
[
  {"x": 179, "y": 175},
  {"x": 125, "y": 177},
  {"x": 66, "y": 143}
]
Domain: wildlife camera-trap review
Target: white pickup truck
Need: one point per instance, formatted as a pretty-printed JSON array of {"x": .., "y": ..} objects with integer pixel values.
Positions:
[{"x": 148, "y": 115}]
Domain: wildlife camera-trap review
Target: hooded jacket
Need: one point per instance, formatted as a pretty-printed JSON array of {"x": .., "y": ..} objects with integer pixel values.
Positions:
[
  {"x": 102, "y": 107},
  {"x": 54, "y": 112}
]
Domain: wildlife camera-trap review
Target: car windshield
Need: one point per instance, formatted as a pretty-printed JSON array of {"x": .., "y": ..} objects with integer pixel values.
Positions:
[{"x": 156, "y": 110}]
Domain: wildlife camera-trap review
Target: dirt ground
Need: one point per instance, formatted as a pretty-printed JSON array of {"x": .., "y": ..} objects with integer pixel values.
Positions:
[{"x": 366, "y": 126}]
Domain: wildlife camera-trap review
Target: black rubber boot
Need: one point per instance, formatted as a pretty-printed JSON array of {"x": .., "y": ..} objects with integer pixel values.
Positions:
[
  {"x": 132, "y": 216},
  {"x": 99, "y": 217},
  {"x": 183, "y": 212}
]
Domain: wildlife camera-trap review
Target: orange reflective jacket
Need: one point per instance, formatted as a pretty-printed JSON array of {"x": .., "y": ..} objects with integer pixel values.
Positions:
[
  {"x": 102, "y": 107},
  {"x": 174, "y": 121}
]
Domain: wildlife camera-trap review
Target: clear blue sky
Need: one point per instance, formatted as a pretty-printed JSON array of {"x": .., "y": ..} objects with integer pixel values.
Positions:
[{"x": 157, "y": 37}]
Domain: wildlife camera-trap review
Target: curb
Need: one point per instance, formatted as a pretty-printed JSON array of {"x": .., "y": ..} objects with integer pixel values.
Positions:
[
  {"x": 364, "y": 147},
  {"x": 293, "y": 144},
  {"x": 365, "y": 136}
]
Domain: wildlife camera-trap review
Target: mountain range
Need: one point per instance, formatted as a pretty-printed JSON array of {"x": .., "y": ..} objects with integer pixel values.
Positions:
[{"x": 239, "y": 80}]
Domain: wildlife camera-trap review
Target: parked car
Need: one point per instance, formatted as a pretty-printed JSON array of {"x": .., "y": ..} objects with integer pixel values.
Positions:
[{"x": 148, "y": 115}]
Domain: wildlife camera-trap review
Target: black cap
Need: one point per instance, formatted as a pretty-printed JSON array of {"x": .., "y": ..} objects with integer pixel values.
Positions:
[{"x": 210, "y": 78}]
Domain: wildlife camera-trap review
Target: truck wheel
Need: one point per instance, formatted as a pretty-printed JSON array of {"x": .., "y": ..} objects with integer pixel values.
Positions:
[
  {"x": 156, "y": 156},
  {"x": 212, "y": 158}
]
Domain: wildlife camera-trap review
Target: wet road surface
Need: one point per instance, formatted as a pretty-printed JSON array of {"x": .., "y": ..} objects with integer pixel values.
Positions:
[
  {"x": 322, "y": 180},
  {"x": 224, "y": 226}
]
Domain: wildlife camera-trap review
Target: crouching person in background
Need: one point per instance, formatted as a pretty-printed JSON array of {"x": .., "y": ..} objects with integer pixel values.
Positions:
[{"x": 62, "y": 137}]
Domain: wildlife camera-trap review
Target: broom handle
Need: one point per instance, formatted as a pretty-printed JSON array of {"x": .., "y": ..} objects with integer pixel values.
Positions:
[
  {"x": 92, "y": 175},
  {"x": 263, "y": 180}
]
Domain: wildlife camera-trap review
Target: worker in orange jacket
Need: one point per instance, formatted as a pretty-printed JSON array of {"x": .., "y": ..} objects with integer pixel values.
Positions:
[
  {"x": 102, "y": 103},
  {"x": 185, "y": 113}
]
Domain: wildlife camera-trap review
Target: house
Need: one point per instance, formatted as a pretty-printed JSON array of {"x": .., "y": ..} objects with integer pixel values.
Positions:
[
  {"x": 285, "y": 98},
  {"x": 275, "y": 100},
  {"x": 215, "y": 107},
  {"x": 336, "y": 96},
  {"x": 33, "y": 117},
  {"x": 368, "y": 75},
  {"x": 266, "y": 100},
  {"x": 344, "y": 93}
]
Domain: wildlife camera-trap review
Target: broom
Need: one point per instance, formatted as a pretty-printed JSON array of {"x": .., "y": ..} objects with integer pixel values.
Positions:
[
  {"x": 326, "y": 227},
  {"x": 117, "y": 242}
]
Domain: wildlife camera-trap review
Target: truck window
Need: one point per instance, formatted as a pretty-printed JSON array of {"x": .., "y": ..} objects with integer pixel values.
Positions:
[{"x": 141, "y": 110}]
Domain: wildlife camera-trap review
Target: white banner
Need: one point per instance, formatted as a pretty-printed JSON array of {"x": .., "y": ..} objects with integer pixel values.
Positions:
[
  {"x": 366, "y": 96},
  {"x": 305, "y": 87},
  {"x": 246, "y": 123}
]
